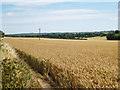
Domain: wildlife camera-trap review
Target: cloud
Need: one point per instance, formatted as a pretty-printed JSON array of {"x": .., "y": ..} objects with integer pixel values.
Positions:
[
  {"x": 114, "y": 18},
  {"x": 28, "y": 15},
  {"x": 35, "y": 15},
  {"x": 60, "y": 1},
  {"x": 41, "y": 12},
  {"x": 37, "y": 19},
  {"x": 31, "y": 3},
  {"x": 10, "y": 14},
  {"x": 69, "y": 11},
  {"x": 38, "y": 0}
]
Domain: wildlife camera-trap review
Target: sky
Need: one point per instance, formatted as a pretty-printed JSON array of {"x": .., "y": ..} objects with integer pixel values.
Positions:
[{"x": 28, "y": 17}]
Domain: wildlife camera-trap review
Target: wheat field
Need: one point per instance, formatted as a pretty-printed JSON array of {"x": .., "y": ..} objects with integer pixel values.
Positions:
[{"x": 80, "y": 63}]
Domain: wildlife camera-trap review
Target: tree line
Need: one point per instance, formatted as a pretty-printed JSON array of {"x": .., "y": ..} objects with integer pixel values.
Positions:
[
  {"x": 81, "y": 36},
  {"x": 111, "y": 35},
  {"x": 114, "y": 35}
]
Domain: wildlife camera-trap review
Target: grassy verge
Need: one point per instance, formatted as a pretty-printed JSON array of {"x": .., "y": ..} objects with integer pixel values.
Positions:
[{"x": 15, "y": 74}]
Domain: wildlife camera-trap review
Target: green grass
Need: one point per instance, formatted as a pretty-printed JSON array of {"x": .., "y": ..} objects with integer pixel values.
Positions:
[{"x": 15, "y": 74}]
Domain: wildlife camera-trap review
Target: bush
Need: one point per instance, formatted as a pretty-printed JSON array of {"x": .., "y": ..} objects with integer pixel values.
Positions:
[
  {"x": 114, "y": 36},
  {"x": 1, "y": 34}
]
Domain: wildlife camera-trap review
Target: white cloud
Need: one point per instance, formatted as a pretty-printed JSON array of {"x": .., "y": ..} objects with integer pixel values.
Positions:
[
  {"x": 41, "y": 12},
  {"x": 33, "y": 15},
  {"x": 10, "y": 14},
  {"x": 114, "y": 18},
  {"x": 35, "y": 0},
  {"x": 60, "y": 0},
  {"x": 73, "y": 11},
  {"x": 27, "y": 14},
  {"x": 48, "y": 18},
  {"x": 31, "y": 3}
]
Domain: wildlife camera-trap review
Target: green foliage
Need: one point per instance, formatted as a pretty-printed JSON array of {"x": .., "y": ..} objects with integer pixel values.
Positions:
[
  {"x": 114, "y": 36},
  {"x": 16, "y": 75},
  {"x": 1, "y": 33},
  {"x": 12, "y": 74},
  {"x": 80, "y": 36},
  {"x": 39, "y": 66}
]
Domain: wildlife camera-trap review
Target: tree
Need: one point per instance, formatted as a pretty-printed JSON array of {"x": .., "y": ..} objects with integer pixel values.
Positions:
[
  {"x": 1, "y": 33},
  {"x": 114, "y": 36},
  {"x": 117, "y": 31}
]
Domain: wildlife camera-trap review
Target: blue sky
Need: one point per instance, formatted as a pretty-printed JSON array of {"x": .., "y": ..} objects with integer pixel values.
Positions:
[{"x": 59, "y": 17}]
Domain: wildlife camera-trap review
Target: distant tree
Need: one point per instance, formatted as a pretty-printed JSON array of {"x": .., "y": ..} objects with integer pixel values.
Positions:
[
  {"x": 69, "y": 35},
  {"x": 117, "y": 31},
  {"x": 114, "y": 35},
  {"x": 1, "y": 33}
]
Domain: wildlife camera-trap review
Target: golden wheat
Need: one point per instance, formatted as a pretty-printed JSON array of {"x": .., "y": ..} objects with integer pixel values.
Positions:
[{"x": 92, "y": 64}]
